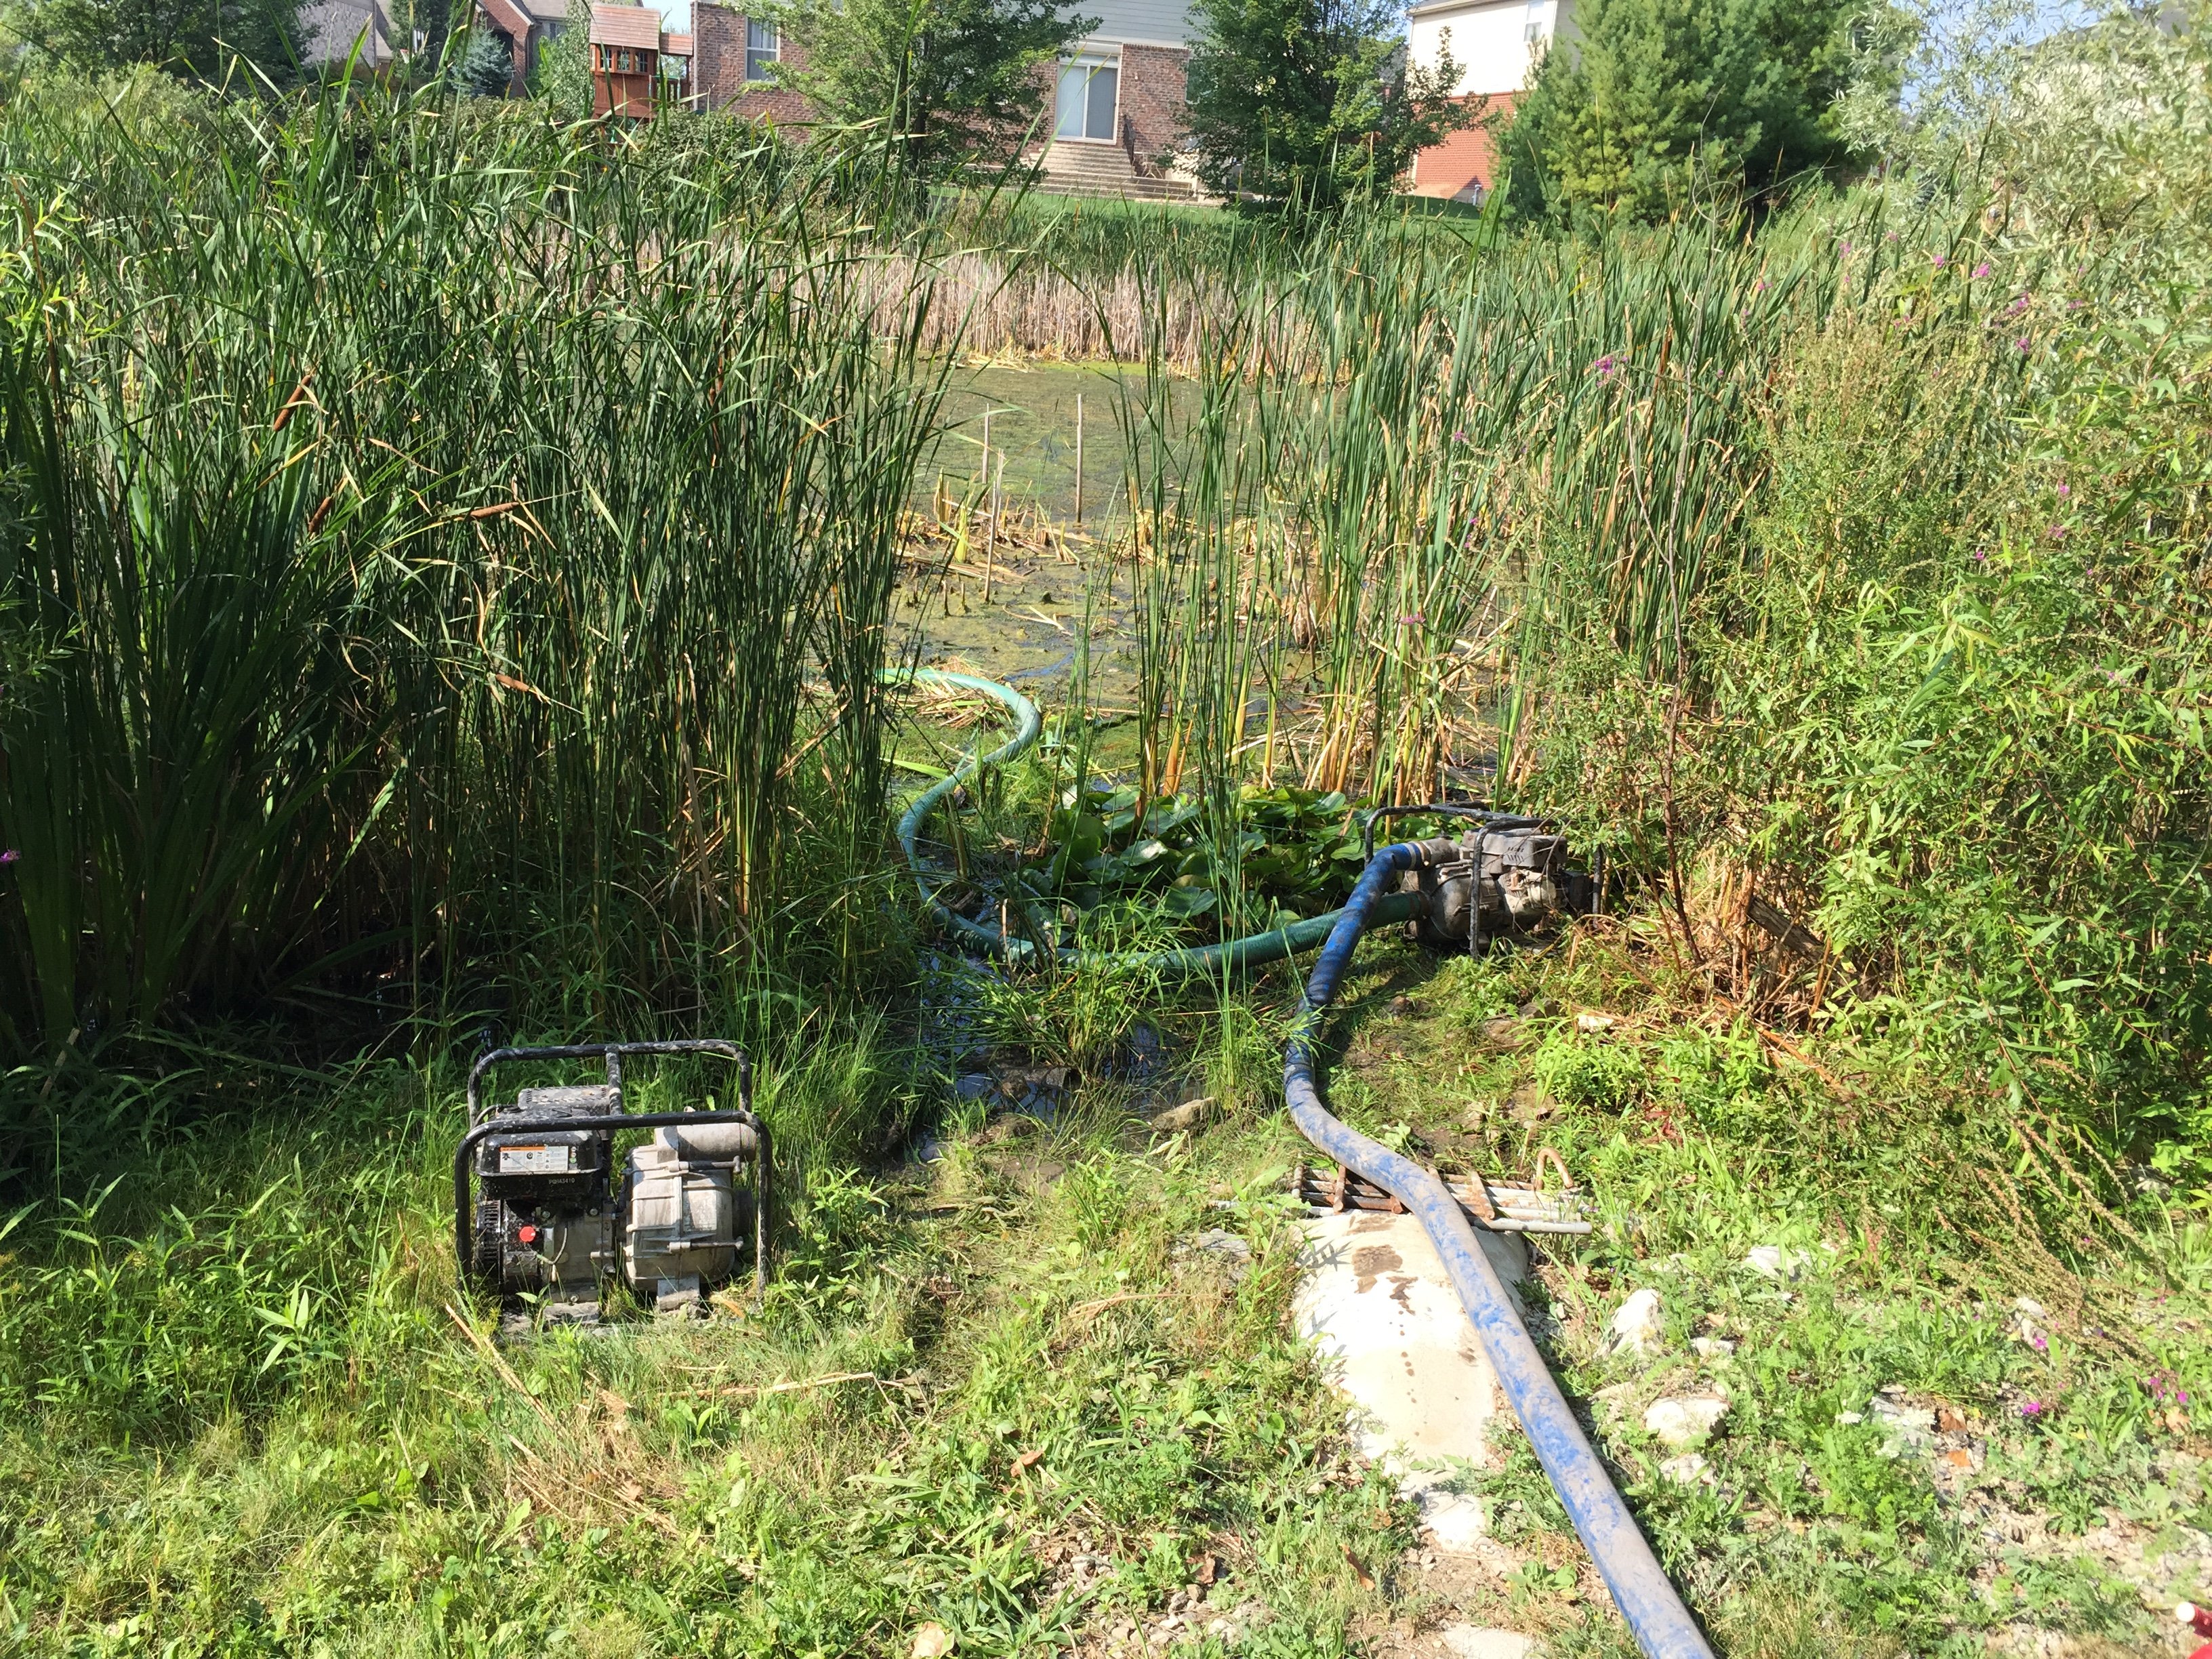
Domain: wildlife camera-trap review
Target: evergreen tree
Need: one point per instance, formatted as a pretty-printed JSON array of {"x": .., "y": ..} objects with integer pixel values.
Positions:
[
  {"x": 194, "y": 38},
  {"x": 485, "y": 67},
  {"x": 1651, "y": 104},
  {"x": 1311, "y": 103},
  {"x": 956, "y": 82}
]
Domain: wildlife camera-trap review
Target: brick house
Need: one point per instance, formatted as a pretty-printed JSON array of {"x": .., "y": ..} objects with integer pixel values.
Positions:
[
  {"x": 1496, "y": 44},
  {"x": 1113, "y": 126},
  {"x": 385, "y": 31}
]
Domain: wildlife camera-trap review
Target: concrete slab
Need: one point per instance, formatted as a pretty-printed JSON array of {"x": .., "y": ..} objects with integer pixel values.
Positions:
[
  {"x": 1373, "y": 1296},
  {"x": 1481, "y": 1642}
]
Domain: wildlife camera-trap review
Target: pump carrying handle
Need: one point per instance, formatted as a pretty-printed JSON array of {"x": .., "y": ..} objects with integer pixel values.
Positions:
[
  {"x": 614, "y": 1051},
  {"x": 1488, "y": 818}
]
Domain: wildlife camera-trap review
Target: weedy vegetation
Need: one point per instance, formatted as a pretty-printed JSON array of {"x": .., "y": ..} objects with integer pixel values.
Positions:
[{"x": 447, "y": 562}]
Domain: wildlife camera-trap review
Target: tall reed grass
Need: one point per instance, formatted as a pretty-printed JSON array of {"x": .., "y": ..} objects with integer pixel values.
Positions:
[{"x": 442, "y": 552}]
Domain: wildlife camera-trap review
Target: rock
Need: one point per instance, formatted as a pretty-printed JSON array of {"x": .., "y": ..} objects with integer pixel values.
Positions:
[
  {"x": 1188, "y": 1115},
  {"x": 1681, "y": 1421},
  {"x": 1230, "y": 1251},
  {"x": 1638, "y": 1325},
  {"x": 1959, "y": 1458},
  {"x": 1481, "y": 1642},
  {"x": 1590, "y": 1024},
  {"x": 932, "y": 1641},
  {"x": 1906, "y": 1427},
  {"x": 1503, "y": 1032},
  {"x": 972, "y": 1086},
  {"x": 1772, "y": 1262},
  {"x": 1845, "y": 1419},
  {"x": 1690, "y": 1469},
  {"x": 1714, "y": 1348},
  {"x": 1227, "y": 1247},
  {"x": 1401, "y": 1006},
  {"x": 1949, "y": 1421},
  {"x": 2030, "y": 1307}
]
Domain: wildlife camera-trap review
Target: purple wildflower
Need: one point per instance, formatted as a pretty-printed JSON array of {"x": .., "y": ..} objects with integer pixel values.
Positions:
[
  {"x": 1459, "y": 434},
  {"x": 1412, "y": 619},
  {"x": 1982, "y": 270},
  {"x": 2025, "y": 344},
  {"x": 1981, "y": 555},
  {"x": 2032, "y": 1409},
  {"x": 10, "y": 855},
  {"x": 2019, "y": 305},
  {"x": 2064, "y": 490},
  {"x": 2036, "y": 1340},
  {"x": 1942, "y": 260},
  {"x": 1605, "y": 365},
  {"x": 1761, "y": 286}
]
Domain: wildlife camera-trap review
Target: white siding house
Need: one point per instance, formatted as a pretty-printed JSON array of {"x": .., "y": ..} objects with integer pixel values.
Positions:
[{"x": 1496, "y": 44}]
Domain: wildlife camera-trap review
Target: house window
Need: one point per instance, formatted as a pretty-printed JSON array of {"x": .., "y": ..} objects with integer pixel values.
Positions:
[
  {"x": 1532, "y": 30},
  {"x": 763, "y": 47},
  {"x": 1089, "y": 92}
]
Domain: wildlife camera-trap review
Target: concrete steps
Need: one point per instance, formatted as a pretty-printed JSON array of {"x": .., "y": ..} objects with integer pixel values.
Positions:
[{"x": 1105, "y": 172}]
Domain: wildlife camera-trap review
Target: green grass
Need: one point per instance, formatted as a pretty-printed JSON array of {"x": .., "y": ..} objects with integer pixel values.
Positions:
[
  {"x": 240, "y": 1418},
  {"x": 376, "y": 1484},
  {"x": 366, "y": 678},
  {"x": 1700, "y": 1143}
]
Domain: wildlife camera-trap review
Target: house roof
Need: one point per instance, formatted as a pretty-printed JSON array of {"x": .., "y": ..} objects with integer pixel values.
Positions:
[
  {"x": 508, "y": 17},
  {"x": 1429, "y": 7},
  {"x": 675, "y": 45},
  {"x": 626, "y": 26}
]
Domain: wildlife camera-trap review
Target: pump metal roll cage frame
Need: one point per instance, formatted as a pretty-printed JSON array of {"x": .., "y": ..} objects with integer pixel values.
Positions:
[{"x": 481, "y": 1126}]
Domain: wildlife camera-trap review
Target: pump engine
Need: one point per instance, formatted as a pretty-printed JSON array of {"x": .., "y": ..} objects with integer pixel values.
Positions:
[
  {"x": 551, "y": 1218},
  {"x": 1503, "y": 874}
]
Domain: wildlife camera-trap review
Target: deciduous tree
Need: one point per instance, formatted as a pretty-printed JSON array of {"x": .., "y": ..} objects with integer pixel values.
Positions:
[
  {"x": 1311, "y": 103},
  {"x": 956, "y": 83},
  {"x": 190, "y": 37}
]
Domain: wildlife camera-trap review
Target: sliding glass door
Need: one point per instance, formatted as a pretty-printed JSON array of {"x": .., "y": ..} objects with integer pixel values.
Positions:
[{"x": 1089, "y": 88}]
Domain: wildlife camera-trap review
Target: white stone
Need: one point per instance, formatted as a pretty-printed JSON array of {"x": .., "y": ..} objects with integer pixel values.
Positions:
[
  {"x": 1594, "y": 1023},
  {"x": 1689, "y": 1469},
  {"x": 1715, "y": 1348},
  {"x": 1637, "y": 1326},
  {"x": 1681, "y": 1421},
  {"x": 1904, "y": 1427},
  {"x": 1373, "y": 1296},
  {"x": 1479, "y": 1641},
  {"x": 1772, "y": 1262}
]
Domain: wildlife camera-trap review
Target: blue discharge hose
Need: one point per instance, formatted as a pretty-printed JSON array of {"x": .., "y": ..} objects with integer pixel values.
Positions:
[
  {"x": 1662, "y": 1626},
  {"x": 1198, "y": 962}
]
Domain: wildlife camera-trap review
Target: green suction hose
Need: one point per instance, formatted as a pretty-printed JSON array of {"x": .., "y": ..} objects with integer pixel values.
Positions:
[{"x": 1198, "y": 962}]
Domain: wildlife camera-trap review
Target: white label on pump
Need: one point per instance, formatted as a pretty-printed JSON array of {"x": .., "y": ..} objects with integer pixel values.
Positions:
[{"x": 536, "y": 1160}]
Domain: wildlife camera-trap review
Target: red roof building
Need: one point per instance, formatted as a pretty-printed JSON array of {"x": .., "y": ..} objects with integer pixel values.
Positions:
[{"x": 633, "y": 63}]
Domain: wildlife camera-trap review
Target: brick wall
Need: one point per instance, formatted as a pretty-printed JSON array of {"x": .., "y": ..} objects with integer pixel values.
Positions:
[
  {"x": 1469, "y": 157},
  {"x": 1153, "y": 87},
  {"x": 718, "y": 68}
]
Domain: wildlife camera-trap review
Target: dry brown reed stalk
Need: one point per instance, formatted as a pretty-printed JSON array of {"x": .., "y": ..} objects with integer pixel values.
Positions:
[{"x": 989, "y": 305}]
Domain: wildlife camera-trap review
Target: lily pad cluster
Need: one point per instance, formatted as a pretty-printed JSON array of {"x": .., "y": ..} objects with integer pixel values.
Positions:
[{"x": 1297, "y": 850}]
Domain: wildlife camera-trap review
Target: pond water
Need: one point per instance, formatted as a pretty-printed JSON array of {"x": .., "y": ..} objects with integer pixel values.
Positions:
[
  {"x": 1023, "y": 625},
  {"x": 1032, "y": 410}
]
